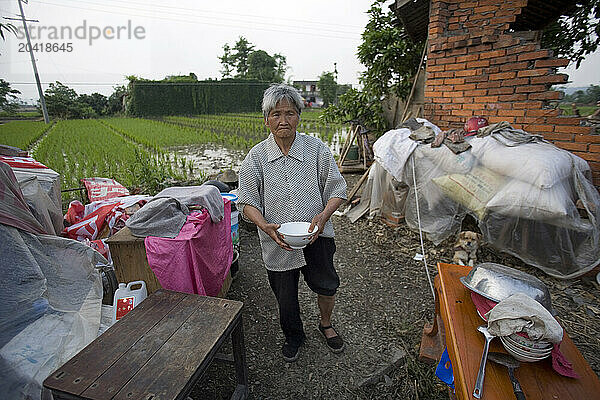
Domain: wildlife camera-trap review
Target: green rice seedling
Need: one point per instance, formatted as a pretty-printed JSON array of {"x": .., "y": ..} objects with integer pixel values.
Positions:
[{"x": 22, "y": 134}]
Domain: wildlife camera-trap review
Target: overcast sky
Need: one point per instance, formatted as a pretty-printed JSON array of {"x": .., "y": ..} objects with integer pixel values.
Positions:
[{"x": 159, "y": 38}]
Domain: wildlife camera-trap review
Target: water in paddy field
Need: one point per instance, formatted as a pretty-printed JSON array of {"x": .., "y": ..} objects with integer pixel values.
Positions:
[{"x": 211, "y": 159}]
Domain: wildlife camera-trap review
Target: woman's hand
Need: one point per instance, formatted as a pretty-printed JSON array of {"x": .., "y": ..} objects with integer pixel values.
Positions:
[
  {"x": 318, "y": 221},
  {"x": 271, "y": 230}
]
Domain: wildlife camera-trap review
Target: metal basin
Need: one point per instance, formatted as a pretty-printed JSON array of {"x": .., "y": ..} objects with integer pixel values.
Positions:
[{"x": 497, "y": 282}]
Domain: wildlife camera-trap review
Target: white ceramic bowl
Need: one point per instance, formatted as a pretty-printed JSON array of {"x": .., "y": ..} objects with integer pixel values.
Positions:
[
  {"x": 521, "y": 355},
  {"x": 528, "y": 344},
  {"x": 296, "y": 234}
]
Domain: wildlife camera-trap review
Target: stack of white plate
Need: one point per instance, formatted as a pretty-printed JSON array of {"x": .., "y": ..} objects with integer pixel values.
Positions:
[{"x": 526, "y": 350}]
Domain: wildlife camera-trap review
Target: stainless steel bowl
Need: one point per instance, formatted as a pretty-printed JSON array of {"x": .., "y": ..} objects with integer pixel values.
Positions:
[{"x": 497, "y": 282}]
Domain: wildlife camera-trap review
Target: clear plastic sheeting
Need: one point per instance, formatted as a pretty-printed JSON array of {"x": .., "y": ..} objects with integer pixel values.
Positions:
[
  {"x": 50, "y": 305},
  {"x": 530, "y": 198}
]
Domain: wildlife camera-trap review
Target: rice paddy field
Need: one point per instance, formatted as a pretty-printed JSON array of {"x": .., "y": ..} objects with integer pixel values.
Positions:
[{"x": 150, "y": 154}]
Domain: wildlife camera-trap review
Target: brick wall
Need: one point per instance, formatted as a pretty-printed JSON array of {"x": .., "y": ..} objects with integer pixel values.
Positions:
[{"x": 475, "y": 66}]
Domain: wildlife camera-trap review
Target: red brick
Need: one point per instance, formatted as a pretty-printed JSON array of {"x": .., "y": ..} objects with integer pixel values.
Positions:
[
  {"x": 559, "y": 136},
  {"x": 557, "y": 62},
  {"x": 445, "y": 74},
  {"x": 491, "y": 54},
  {"x": 454, "y": 81},
  {"x": 485, "y": 9},
  {"x": 572, "y": 146},
  {"x": 528, "y": 104},
  {"x": 476, "y": 78},
  {"x": 502, "y": 75},
  {"x": 549, "y": 95},
  {"x": 467, "y": 58},
  {"x": 486, "y": 99},
  {"x": 479, "y": 64},
  {"x": 515, "y": 66},
  {"x": 533, "y": 72},
  {"x": 504, "y": 90},
  {"x": 462, "y": 100},
  {"x": 522, "y": 49},
  {"x": 587, "y": 138},
  {"x": 462, "y": 113},
  {"x": 473, "y": 106},
  {"x": 466, "y": 86},
  {"x": 501, "y": 43},
  {"x": 553, "y": 79},
  {"x": 511, "y": 113},
  {"x": 435, "y": 82},
  {"x": 447, "y": 60},
  {"x": 470, "y": 4},
  {"x": 541, "y": 128},
  {"x": 485, "y": 85},
  {"x": 477, "y": 92},
  {"x": 457, "y": 52},
  {"x": 453, "y": 94},
  {"x": 564, "y": 120},
  {"x": 530, "y": 88},
  {"x": 495, "y": 120},
  {"x": 588, "y": 156},
  {"x": 467, "y": 72},
  {"x": 574, "y": 129},
  {"x": 435, "y": 68},
  {"x": 535, "y": 55},
  {"x": 516, "y": 82},
  {"x": 503, "y": 60},
  {"x": 594, "y": 148},
  {"x": 513, "y": 97}
]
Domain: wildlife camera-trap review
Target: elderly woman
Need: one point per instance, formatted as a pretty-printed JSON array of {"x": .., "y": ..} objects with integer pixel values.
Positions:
[{"x": 293, "y": 177}]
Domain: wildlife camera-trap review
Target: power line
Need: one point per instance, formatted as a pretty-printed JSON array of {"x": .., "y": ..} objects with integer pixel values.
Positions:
[
  {"x": 297, "y": 32},
  {"x": 260, "y": 17}
]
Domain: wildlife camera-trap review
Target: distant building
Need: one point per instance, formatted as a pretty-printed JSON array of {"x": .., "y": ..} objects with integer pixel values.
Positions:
[{"x": 311, "y": 93}]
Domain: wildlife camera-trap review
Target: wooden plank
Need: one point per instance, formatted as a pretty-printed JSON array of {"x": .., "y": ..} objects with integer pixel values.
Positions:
[
  {"x": 174, "y": 369},
  {"x": 465, "y": 345},
  {"x": 91, "y": 362},
  {"x": 131, "y": 263},
  {"x": 112, "y": 380}
]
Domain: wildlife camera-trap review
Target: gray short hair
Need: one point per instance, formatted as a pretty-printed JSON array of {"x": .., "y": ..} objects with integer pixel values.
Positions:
[{"x": 277, "y": 92}]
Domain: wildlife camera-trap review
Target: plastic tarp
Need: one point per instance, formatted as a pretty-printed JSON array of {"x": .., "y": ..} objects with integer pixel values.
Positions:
[
  {"x": 50, "y": 305},
  {"x": 198, "y": 259},
  {"x": 522, "y": 190}
]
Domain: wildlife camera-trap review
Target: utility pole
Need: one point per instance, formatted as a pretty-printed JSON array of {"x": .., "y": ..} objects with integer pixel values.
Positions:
[{"x": 35, "y": 71}]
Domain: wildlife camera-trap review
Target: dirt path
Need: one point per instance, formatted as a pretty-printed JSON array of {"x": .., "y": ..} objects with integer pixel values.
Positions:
[{"x": 382, "y": 304}]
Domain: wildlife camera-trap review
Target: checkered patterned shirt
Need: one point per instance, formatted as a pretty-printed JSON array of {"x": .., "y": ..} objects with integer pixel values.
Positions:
[{"x": 289, "y": 188}]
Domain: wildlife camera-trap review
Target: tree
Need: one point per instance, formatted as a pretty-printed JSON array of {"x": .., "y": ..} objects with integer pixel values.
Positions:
[
  {"x": 242, "y": 48},
  {"x": 281, "y": 68},
  {"x": 328, "y": 87},
  {"x": 63, "y": 102},
  {"x": 8, "y": 97},
  {"x": 575, "y": 34},
  {"x": 261, "y": 66},
  {"x": 391, "y": 59},
  {"x": 115, "y": 100},
  {"x": 227, "y": 62},
  {"x": 96, "y": 101}
]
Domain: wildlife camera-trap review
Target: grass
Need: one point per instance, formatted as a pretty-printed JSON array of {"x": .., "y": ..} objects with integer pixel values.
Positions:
[
  {"x": 22, "y": 134},
  {"x": 86, "y": 148},
  {"x": 584, "y": 111}
]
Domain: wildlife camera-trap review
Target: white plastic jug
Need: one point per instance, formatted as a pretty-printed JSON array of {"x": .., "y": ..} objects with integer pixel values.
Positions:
[{"x": 127, "y": 298}]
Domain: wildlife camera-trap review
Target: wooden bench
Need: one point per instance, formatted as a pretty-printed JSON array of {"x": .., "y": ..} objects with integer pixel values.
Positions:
[
  {"x": 455, "y": 326},
  {"x": 158, "y": 351}
]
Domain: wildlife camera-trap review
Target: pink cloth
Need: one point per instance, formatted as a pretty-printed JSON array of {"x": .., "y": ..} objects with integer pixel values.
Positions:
[
  {"x": 198, "y": 259},
  {"x": 559, "y": 362}
]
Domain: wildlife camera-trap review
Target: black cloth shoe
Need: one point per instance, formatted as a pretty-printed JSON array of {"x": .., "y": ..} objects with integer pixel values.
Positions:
[
  {"x": 335, "y": 344},
  {"x": 290, "y": 351}
]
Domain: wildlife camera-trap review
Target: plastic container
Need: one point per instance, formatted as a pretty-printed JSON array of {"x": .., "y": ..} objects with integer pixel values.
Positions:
[
  {"x": 235, "y": 215},
  {"x": 126, "y": 298}
]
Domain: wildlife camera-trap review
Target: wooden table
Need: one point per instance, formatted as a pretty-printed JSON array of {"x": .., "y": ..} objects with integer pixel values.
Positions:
[
  {"x": 159, "y": 350},
  {"x": 465, "y": 345}
]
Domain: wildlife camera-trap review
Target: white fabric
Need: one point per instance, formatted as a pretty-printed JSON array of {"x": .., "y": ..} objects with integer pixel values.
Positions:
[
  {"x": 521, "y": 313},
  {"x": 540, "y": 164},
  {"x": 393, "y": 149}
]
